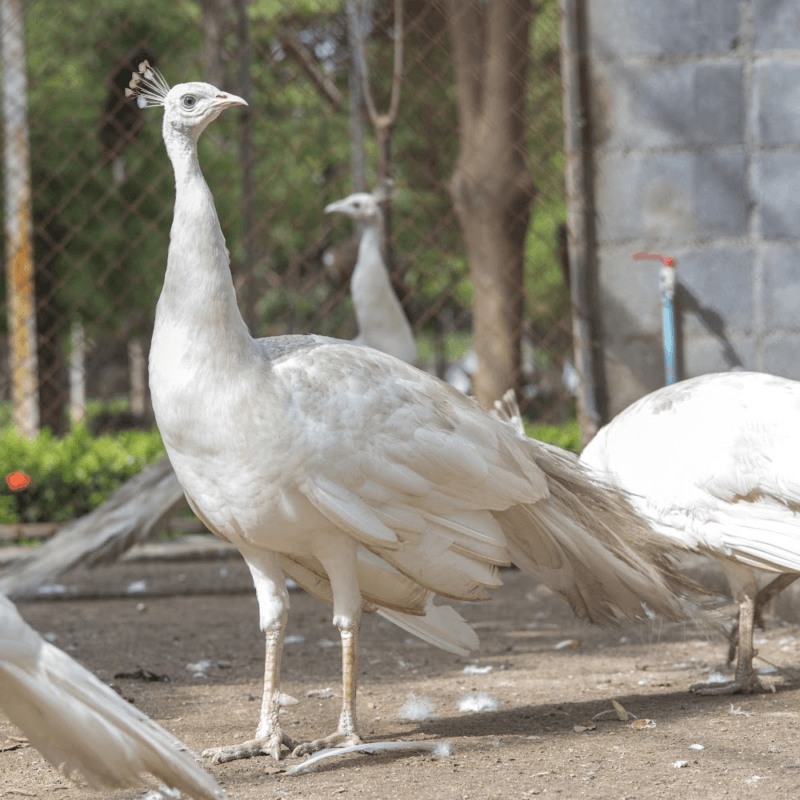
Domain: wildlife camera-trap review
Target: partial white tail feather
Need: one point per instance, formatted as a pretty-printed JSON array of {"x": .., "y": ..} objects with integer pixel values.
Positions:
[
  {"x": 506, "y": 409},
  {"x": 81, "y": 725},
  {"x": 588, "y": 544},
  {"x": 442, "y": 626},
  {"x": 130, "y": 515}
]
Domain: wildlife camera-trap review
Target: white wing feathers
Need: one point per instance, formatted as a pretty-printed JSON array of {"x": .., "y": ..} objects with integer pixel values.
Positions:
[
  {"x": 714, "y": 463},
  {"x": 348, "y": 511},
  {"x": 444, "y": 494},
  {"x": 442, "y": 626},
  {"x": 81, "y": 725},
  {"x": 403, "y": 601}
]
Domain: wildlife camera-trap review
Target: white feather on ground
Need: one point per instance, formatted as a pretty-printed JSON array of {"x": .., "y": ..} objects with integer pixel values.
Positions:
[
  {"x": 80, "y": 725},
  {"x": 714, "y": 463},
  {"x": 477, "y": 702},
  {"x": 416, "y": 708}
]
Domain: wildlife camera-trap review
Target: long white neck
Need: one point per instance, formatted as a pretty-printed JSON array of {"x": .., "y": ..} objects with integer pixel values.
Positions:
[
  {"x": 198, "y": 297},
  {"x": 382, "y": 323}
]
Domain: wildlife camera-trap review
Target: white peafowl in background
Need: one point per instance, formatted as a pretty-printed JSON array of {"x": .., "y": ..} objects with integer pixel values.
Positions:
[
  {"x": 382, "y": 323},
  {"x": 370, "y": 483},
  {"x": 81, "y": 725},
  {"x": 714, "y": 463}
]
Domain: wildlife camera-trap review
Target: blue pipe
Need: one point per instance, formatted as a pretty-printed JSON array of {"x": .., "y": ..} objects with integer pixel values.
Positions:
[{"x": 667, "y": 295}]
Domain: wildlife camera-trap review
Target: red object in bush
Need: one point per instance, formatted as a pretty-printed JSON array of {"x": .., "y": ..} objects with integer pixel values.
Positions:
[{"x": 17, "y": 480}]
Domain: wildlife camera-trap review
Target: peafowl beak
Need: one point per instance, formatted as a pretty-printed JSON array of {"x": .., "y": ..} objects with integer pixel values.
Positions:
[
  {"x": 225, "y": 100},
  {"x": 332, "y": 208}
]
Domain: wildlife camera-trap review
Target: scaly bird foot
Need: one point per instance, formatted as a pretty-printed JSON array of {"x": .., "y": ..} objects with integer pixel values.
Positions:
[
  {"x": 752, "y": 683},
  {"x": 265, "y": 746},
  {"x": 337, "y": 739}
]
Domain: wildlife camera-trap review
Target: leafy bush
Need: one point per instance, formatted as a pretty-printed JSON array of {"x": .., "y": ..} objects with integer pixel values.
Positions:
[
  {"x": 567, "y": 436},
  {"x": 70, "y": 476}
]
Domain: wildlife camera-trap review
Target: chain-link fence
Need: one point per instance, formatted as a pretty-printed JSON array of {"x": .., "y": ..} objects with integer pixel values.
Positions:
[{"x": 102, "y": 188}]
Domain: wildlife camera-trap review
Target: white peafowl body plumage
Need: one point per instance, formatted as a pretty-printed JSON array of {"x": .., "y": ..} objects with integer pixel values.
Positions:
[
  {"x": 714, "y": 463},
  {"x": 373, "y": 485}
]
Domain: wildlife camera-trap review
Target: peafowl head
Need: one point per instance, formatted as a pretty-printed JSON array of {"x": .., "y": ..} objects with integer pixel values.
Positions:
[
  {"x": 360, "y": 206},
  {"x": 188, "y": 107}
]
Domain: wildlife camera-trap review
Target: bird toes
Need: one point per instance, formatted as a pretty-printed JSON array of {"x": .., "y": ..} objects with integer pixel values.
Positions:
[
  {"x": 338, "y": 739},
  {"x": 750, "y": 684},
  {"x": 263, "y": 746}
]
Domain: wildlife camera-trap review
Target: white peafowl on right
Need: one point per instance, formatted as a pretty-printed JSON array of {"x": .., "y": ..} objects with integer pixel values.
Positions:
[
  {"x": 714, "y": 463},
  {"x": 382, "y": 323},
  {"x": 375, "y": 486},
  {"x": 80, "y": 725}
]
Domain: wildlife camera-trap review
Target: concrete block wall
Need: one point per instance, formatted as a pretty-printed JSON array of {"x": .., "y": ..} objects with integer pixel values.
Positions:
[{"x": 695, "y": 115}]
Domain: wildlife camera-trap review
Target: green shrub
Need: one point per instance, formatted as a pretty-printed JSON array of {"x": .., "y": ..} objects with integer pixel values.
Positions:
[
  {"x": 567, "y": 436},
  {"x": 70, "y": 476}
]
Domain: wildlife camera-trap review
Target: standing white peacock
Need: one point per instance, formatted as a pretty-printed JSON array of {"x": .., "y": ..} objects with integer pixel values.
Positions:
[
  {"x": 373, "y": 485},
  {"x": 714, "y": 463},
  {"x": 382, "y": 323}
]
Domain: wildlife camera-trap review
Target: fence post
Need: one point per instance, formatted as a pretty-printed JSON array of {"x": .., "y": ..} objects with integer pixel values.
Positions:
[
  {"x": 581, "y": 234},
  {"x": 77, "y": 373},
  {"x": 19, "y": 227}
]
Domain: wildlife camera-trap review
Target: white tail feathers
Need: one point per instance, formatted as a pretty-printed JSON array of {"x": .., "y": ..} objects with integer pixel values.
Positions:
[
  {"x": 506, "y": 409},
  {"x": 587, "y": 544},
  {"x": 442, "y": 626},
  {"x": 81, "y": 725},
  {"x": 148, "y": 87}
]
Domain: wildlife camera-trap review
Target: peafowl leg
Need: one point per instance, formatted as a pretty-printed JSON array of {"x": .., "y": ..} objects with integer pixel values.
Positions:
[
  {"x": 745, "y": 590},
  {"x": 765, "y": 595},
  {"x": 273, "y": 602},
  {"x": 347, "y": 608}
]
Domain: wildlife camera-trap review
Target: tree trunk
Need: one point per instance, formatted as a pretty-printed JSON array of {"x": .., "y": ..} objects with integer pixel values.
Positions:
[
  {"x": 491, "y": 186},
  {"x": 355, "y": 29},
  {"x": 18, "y": 223},
  {"x": 77, "y": 373}
]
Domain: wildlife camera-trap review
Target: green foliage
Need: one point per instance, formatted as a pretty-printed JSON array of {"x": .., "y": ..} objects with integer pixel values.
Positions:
[
  {"x": 547, "y": 295},
  {"x": 104, "y": 244},
  {"x": 70, "y": 476},
  {"x": 566, "y": 436},
  {"x": 452, "y": 346},
  {"x": 96, "y": 241}
]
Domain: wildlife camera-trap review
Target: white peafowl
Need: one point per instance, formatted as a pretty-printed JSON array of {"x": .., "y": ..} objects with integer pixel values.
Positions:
[
  {"x": 370, "y": 483},
  {"x": 81, "y": 725},
  {"x": 714, "y": 463},
  {"x": 382, "y": 323}
]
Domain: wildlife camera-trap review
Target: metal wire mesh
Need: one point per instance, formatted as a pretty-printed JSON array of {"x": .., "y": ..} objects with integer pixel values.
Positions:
[{"x": 102, "y": 188}]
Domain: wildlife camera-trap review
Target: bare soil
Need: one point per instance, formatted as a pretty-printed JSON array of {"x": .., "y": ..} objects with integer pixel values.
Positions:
[{"x": 532, "y": 745}]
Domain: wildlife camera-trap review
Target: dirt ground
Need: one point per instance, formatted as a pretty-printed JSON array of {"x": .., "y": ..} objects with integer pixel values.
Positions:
[{"x": 531, "y": 745}]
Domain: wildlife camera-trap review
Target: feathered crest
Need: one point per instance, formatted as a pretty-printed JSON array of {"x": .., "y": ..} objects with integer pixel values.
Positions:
[
  {"x": 385, "y": 190},
  {"x": 147, "y": 86}
]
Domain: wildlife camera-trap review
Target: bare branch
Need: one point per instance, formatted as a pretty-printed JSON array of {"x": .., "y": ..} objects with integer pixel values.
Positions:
[
  {"x": 301, "y": 54},
  {"x": 356, "y": 9},
  {"x": 381, "y": 121},
  {"x": 397, "y": 74}
]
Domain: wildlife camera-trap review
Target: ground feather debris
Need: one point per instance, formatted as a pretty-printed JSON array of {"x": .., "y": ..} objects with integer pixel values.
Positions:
[
  {"x": 416, "y": 708},
  {"x": 480, "y": 701}
]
